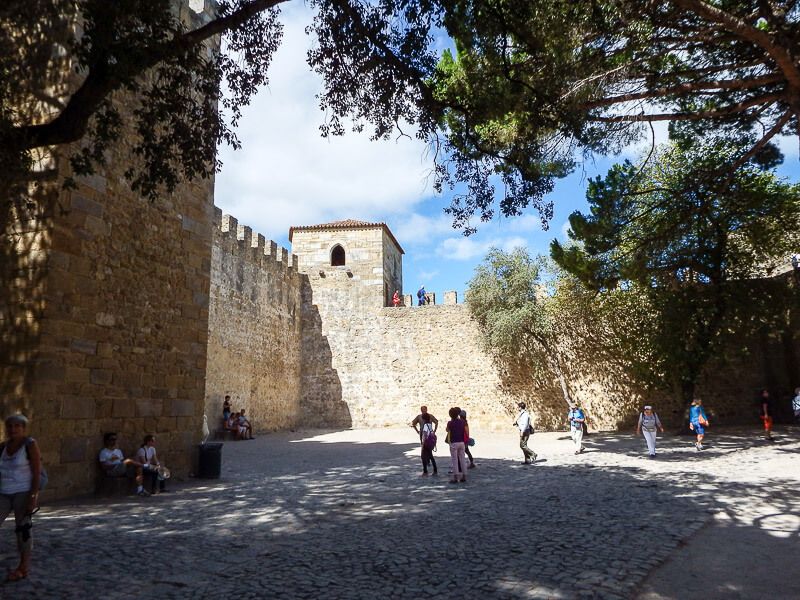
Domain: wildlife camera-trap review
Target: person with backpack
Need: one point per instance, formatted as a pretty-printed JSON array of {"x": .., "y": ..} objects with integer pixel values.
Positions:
[
  {"x": 576, "y": 418},
  {"x": 648, "y": 423},
  {"x": 525, "y": 425},
  {"x": 421, "y": 298},
  {"x": 698, "y": 421},
  {"x": 20, "y": 482},
  {"x": 416, "y": 423},
  {"x": 428, "y": 444}
]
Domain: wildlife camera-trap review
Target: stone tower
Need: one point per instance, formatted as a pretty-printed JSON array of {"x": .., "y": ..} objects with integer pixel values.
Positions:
[{"x": 350, "y": 264}]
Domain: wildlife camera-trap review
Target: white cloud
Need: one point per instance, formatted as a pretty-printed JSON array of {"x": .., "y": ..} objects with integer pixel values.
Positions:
[
  {"x": 415, "y": 229},
  {"x": 468, "y": 248},
  {"x": 287, "y": 175}
]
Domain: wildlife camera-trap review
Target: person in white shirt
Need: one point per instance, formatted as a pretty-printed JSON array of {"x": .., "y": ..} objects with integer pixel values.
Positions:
[
  {"x": 114, "y": 463},
  {"x": 648, "y": 423},
  {"x": 146, "y": 454},
  {"x": 525, "y": 425},
  {"x": 20, "y": 476}
]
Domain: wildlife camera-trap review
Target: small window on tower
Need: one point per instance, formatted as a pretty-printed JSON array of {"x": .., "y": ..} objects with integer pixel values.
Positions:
[{"x": 337, "y": 256}]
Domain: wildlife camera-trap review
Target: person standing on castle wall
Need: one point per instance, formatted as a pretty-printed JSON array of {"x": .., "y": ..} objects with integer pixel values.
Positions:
[
  {"x": 796, "y": 405},
  {"x": 427, "y": 443},
  {"x": 576, "y": 418},
  {"x": 765, "y": 411},
  {"x": 525, "y": 424},
  {"x": 417, "y": 422},
  {"x": 648, "y": 424},
  {"x": 698, "y": 421},
  {"x": 421, "y": 296},
  {"x": 458, "y": 431},
  {"x": 396, "y": 298}
]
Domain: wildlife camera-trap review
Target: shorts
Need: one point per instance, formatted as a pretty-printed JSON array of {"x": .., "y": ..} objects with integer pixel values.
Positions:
[
  {"x": 698, "y": 429},
  {"x": 121, "y": 470}
]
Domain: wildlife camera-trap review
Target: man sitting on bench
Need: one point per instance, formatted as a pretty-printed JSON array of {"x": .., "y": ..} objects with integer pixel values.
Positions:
[{"x": 115, "y": 464}]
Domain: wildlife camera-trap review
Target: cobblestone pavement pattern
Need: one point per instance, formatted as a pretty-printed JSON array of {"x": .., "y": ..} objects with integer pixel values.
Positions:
[{"x": 345, "y": 515}]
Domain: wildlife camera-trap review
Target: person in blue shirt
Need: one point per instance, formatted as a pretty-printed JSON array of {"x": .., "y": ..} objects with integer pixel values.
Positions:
[
  {"x": 576, "y": 419},
  {"x": 421, "y": 296},
  {"x": 698, "y": 421}
]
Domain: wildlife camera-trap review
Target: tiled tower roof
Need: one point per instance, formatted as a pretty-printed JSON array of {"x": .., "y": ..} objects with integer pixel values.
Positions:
[{"x": 347, "y": 224}]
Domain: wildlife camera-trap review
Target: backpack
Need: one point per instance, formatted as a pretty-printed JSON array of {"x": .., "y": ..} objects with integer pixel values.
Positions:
[
  {"x": 429, "y": 439},
  {"x": 43, "y": 479}
]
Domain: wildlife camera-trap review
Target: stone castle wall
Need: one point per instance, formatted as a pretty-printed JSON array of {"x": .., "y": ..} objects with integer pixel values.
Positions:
[
  {"x": 104, "y": 317},
  {"x": 254, "y": 334},
  {"x": 121, "y": 327}
]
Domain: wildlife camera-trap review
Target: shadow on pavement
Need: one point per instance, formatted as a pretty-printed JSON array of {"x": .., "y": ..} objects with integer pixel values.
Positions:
[{"x": 298, "y": 518}]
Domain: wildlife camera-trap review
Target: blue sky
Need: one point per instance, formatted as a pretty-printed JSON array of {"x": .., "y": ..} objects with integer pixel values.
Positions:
[{"x": 286, "y": 174}]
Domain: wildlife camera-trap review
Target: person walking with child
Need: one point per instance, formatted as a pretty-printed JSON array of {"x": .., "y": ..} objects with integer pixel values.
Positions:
[
  {"x": 698, "y": 421},
  {"x": 457, "y": 431},
  {"x": 648, "y": 424}
]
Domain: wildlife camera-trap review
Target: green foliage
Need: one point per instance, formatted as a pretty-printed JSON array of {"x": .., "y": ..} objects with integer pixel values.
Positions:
[
  {"x": 535, "y": 84},
  {"x": 688, "y": 245},
  {"x": 528, "y": 310}
]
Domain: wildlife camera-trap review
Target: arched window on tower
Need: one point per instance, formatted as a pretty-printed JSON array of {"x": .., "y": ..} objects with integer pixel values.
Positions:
[{"x": 337, "y": 256}]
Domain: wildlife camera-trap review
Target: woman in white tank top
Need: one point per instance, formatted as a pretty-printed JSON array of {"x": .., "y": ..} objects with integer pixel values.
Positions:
[{"x": 20, "y": 473}]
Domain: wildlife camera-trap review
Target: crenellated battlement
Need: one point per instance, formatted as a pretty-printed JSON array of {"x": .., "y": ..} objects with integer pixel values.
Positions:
[{"x": 240, "y": 240}]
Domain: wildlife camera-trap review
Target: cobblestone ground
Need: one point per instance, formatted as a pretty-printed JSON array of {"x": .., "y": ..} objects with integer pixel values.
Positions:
[{"x": 345, "y": 515}]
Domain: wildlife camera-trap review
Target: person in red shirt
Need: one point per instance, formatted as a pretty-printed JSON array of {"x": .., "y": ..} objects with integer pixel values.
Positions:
[{"x": 396, "y": 298}]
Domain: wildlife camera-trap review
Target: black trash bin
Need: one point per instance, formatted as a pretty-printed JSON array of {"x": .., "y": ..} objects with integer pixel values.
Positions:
[{"x": 210, "y": 462}]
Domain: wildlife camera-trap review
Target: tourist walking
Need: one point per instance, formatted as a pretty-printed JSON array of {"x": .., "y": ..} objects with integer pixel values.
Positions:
[
  {"x": 20, "y": 475},
  {"x": 765, "y": 411},
  {"x": 698, "y": 421},
  {"x": 463, "y": 416},
  {"x": 577, "y": 419},
  {"x": 648, "y": 424},
  {"x": 525, "y": 424},
  {"x": 796, "y": 405},
  {"x": 457, "y": 431},
  {"x": 428, "y": 444}
]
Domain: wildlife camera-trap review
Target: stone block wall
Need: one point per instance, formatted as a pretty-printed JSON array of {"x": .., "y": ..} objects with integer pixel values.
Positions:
[
  {"x": 104, "y": 303},
  {"x": 121, "y": 327},
  {"x": 254, "y": 333}
]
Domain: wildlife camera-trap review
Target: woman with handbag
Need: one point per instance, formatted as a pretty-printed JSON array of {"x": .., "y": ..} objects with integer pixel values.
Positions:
[{"x": 20, "y": 476}]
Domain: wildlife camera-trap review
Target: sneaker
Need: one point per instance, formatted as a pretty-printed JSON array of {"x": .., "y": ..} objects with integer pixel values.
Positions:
[
  {"x": 424, "y": 474},
  {"x": 143, "y": 493},
  {"x": 453, "y": 481},
  {"x": 582, "y": 450},
  {"x": 533, "y": 459},
  {"x": 463, "y": 480},
  {"x": 652, "y": 456},
  {"x": 436, "y": 473},
  {"x": 471, "y": 465}
]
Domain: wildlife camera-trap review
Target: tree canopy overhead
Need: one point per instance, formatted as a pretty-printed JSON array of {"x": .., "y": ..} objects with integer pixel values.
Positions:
[
  {"x": 531, "y": 85},
  {"x": 536, "y": 83}
]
